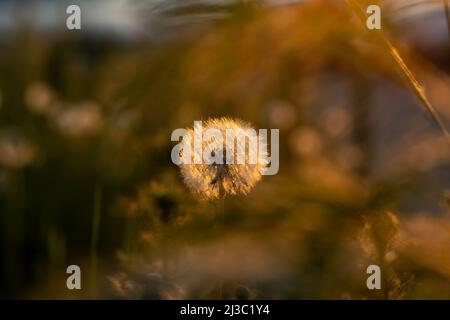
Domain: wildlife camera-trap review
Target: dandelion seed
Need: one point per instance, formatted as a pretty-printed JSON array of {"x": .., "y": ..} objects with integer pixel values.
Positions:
[{"x": 215, "y": 180}]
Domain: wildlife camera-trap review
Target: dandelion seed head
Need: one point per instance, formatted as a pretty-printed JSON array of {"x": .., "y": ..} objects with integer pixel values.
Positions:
[{"x": 215, "y": 180}]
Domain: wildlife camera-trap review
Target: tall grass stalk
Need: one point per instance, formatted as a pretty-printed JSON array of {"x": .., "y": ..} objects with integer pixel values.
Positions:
[
  {"x": 94, "y": 240},
  {"x": 405, "y": 72}
]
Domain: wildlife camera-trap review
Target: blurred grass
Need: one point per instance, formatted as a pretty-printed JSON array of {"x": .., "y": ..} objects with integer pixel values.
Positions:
[
  {"x": 405, "y": 70},
  {"x": 94, "y": 242},
  {"x": 363, "y": 176}
]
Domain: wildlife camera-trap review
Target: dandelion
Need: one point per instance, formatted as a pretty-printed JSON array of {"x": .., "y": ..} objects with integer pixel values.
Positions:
[
  {"x": 380, "y": 242},
  {"x": 217, "y": 179},
  {"x": 16, "y": 151},
  {"x": 147, "y": 286},
  {"x": 80, "y": 120},
  {"x": 39, "y": 97}
]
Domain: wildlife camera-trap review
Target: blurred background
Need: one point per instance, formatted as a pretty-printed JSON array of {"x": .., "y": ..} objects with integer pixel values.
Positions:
[{"x": 85, "y": 171}]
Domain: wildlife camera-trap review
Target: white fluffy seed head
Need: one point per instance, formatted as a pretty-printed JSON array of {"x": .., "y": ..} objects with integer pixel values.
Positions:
[{"x": 216, "y": 180}]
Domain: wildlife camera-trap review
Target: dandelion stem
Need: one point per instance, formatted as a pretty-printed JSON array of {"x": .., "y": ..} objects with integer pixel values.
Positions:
[
  {"x": 221, "y": 220},
  {"x": 94, "y": 239},
  {"x": 405, "y": 71}
]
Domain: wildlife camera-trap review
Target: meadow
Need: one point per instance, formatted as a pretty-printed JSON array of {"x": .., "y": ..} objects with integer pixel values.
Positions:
[{"x": 86, "y": 176}]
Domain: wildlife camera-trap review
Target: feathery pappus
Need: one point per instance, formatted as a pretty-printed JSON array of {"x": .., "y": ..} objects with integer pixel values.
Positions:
[{"x": 244, "y": 155}]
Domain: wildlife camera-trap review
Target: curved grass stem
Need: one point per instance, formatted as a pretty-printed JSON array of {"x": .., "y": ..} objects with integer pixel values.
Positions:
[{"x": 405, "y": 72}]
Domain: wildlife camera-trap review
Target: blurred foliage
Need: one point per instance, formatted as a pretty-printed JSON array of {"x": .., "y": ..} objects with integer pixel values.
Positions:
[{"x": 364, "y": 176}]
